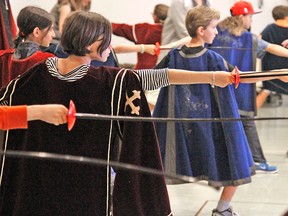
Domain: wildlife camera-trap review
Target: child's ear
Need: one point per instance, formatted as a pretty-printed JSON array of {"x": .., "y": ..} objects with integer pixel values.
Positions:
[
  {"x": 200, "y": 30},
  {"x": 89, "y": 47},
  {"x": 36, "y": 32}
]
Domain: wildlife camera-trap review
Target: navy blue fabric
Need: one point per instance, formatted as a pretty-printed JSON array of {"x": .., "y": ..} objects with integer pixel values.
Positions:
[
  {"x": 275, "y": 34},
  {"x": 213, "y": 151},
  {"x": 238, "y": 51}
]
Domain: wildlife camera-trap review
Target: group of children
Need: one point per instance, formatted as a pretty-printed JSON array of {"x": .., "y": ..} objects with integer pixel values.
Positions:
[{"x": 216, "y": 151}]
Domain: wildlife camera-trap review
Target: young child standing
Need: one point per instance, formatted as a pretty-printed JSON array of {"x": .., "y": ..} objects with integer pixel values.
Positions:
[
  {"x": 216, "y": 151},
  {"x": 81, "y": 189}
]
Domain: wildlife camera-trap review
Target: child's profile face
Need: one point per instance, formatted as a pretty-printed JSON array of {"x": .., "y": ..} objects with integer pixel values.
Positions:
[
  {"x": 210, "y": 32},
  {"x": 247, "y": 21},
  {"x": 46, "y": 36},
  {"x": 95, "y": 55}
]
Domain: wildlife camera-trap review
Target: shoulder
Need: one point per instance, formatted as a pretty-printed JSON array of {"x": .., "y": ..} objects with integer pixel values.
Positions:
[
  {"x": 6, "y": 52},
  {"x": 39, "y": 56}
]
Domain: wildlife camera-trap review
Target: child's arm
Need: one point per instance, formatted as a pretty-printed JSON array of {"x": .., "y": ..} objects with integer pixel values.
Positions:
[
  {"x": 217, "y": 78},
  {"x": 13, "y": 117},
  {"x": 141, "y": 48},
  {"x": 176, "y": 44},
  {"x": 50, "y": 113},
  {"x": 277, "y": 50}
]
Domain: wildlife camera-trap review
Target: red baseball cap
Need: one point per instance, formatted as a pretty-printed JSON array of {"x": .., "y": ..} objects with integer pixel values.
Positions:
[{"x": 242, "y": 8}]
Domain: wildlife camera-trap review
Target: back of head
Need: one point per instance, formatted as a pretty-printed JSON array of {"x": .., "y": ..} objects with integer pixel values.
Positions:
[
  {"x": 280, "y": 12},
  {"x": 82, "y": 29},
  {"x": 29, "y": 18},
  {"x": 242, "y": 8},
  {"x": 161, "y": 11},
  {"x": 200, "y": 16}
]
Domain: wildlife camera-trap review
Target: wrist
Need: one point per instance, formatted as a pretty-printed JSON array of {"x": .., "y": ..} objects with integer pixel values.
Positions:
[
  {"x": 142, "y": 49},
  {"x": 213, "y": 79}
]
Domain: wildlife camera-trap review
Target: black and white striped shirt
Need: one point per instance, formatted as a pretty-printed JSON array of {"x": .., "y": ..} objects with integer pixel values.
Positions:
[{"x": 151, "y": 79}]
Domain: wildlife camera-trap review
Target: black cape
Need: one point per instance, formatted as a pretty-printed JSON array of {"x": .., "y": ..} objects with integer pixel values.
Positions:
[{"x": 40, "y": 187}]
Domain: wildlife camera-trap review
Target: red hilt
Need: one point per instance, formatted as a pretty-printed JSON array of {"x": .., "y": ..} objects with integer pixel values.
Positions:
[
  {"x": 71, "y": 115},
  {"x": 157, "y": 49},
  {"x": 237, "y": 77}
]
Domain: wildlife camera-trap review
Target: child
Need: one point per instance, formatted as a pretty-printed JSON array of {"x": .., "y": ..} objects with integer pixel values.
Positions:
[
  {"x": 215, "y": 151},
  {"x": 274, "y": 33},
  {"x": 79, "y": 189},
  {"x": 63, "y": 8},
  {"x": 144, "y": 33},
  {"x": 245, "y": 47},
  {"x": 17, "y": 117},
  {"x": 35, "y": 32}
]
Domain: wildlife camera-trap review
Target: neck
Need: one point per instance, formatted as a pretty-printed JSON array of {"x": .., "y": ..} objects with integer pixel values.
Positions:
[
  {"x": 196, "y": 42},
  {"x": 282, "y": 23},
  {"x": 78, "y": 60},
  {"x": 65, "y": 65}
]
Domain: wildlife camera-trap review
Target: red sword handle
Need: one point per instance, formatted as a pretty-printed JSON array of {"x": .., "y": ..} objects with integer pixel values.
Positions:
[
  {"x": 157, "y": 49},
  {"x": 237, "y": 77},
  {"x": 71, "y": 115}
]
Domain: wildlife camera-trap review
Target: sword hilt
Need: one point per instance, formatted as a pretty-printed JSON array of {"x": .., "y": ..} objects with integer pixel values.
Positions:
[
  {"x": 71, "y": 115},
  {"x": 157, "y": 49},
  {"x": 237, "y": 77}
]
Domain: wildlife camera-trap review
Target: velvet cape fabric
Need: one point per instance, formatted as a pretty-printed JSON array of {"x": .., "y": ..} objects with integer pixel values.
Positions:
[
  {"x": 213, "y": 151},
  {"x": 141, "y": 33},
  {"x": 39, "y": 187},
  {"x": 8, "y": 29},
  {"x": 10, "y": 68}
]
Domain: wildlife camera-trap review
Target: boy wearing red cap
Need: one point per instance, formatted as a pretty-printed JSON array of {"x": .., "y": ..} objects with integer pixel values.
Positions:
[{"x": 244, "y": 48}]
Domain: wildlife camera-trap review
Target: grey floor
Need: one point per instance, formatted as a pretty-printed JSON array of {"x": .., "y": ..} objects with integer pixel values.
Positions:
[{"x": 267, "y": 195}]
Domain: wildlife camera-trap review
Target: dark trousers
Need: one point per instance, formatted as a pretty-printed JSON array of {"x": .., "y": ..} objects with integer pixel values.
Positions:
[{"x": 253, "y": 140}]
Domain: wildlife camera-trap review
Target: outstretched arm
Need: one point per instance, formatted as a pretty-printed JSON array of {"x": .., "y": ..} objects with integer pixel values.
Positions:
[
  {"x": 50, "y": 113},
  {"x": 157, "y": 78},
  {"x": 217, "y": 78},
  {"x": 176, "y": 44},
  {"x": 277, "y": 50},
  {"x": 141, "y": 48}
]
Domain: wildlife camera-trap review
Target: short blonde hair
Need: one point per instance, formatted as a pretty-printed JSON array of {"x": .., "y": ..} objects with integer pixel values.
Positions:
[{"x": 200, "y": 16}]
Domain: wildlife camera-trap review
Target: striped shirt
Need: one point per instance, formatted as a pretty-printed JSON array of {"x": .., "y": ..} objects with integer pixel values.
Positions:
[{"x": 151, "y": 79}]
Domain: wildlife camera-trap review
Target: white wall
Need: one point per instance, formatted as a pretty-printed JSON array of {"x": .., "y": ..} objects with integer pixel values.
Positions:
[{"x": 135, "y": 11}]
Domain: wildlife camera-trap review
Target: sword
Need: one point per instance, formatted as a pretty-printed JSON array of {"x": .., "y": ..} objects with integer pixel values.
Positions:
[
  {"x": 158, "y": 48},
  {"x": 72, "y": 116},
  {"x": 258, "y": 74},
  {"x": 95, "y": 161}
]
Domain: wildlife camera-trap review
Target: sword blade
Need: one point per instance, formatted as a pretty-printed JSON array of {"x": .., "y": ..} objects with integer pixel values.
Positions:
[
  {"x": 156, "y": 119},
  {"x": 94, "y": 161},
  {"x": 259, "y": 74}
]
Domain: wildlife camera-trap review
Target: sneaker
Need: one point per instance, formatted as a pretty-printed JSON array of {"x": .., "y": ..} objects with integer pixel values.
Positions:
[
  {"x": 227, "y": 212},
  {"x": 265, "y": 168}
]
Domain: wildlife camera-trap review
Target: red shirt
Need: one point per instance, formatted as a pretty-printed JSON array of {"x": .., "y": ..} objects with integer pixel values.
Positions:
[
  {"x": 13, "y": 117},
  {"x": 142, "y": 33}
]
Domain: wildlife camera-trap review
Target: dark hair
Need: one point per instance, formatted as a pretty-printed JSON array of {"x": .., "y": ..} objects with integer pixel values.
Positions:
[
  {"x": 161, "y": 11},
  {"x": 199, "y": 16},
  {"x": 280, "y": 12},
  {"x": 29, "y": 18},
  {"x": 81, "y": 29}
]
